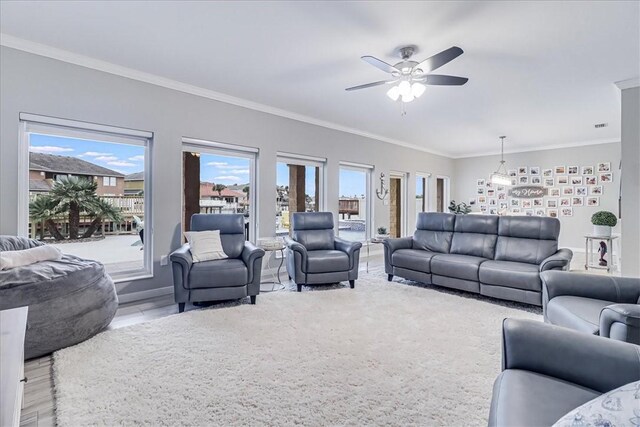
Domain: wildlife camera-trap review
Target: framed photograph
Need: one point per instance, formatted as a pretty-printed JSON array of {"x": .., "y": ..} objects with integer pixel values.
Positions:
[
  {"x": 562, "y": 180},
  {"x": 503, "y": 206},
  {"x": 514, "y": 181},
  {"x": 540, "y": 212},
  {"x": 489, "y": 184},
  {"x": 491, "y": 192},
  {"x": 493, "y": 202},
  {"x": 547, "y": 172},
  {"x": 482, "y": 200},
  {"x": 526, "y": 203},
  {"x": 480, "y": 190},
  {"x": 500, "y": 188},
  {"x": 493, "y": 211},
  {"x": 587, "y": 170},
  {"x": 590, "y": 180},
  {"x": 593, "y": 201},
  {"x": 580, "y": 191},
  {"x": 560, "y": 170},
  {"x": 576, "y": 180},
  {"x": 572, "y": 170},
  {"x": 522, "y": 170},
  {"x": 577, "y": 201},
  {"x": 472, "y": 202},
  {"x": 483, "y": 208},
  {"x": 606, "y": 178},
  {"x": 604, "y": 167},
  {"x": 523, "y": 180},
  {"x": 528, "y": 212},
  {"x": 552, "y": 203},
  {"x": 549, "y": 182},
  {"x": 534, "y": 170},
  {"x": 566, "y": 212},
  {"x": 567, "y": 191},
  {"x": 553, "y": 213},
  {"x": 537, "y": 203},
  {"x": 515, "y": 211},
  {"x": 565, "y": 201},
  {"x": 480, "y": 183},
  {"x": 512, "y": 172},
  {"x": 502, "y": 195},
  {"x": 515, "y": 202},
  {"x": 536, "y": 180},
  {"x": 595, "y": 190}
]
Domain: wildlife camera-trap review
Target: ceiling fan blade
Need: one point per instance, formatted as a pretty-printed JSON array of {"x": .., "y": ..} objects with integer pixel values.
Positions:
[
  {"x": 379, "y": 63},
  {"x": 439, "y": 59},
  {"x": 364, "y": 86},
  {"x": 440, "y": 80}
]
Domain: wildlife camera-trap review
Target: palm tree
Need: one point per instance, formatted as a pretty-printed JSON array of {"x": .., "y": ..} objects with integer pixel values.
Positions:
[
  {"x": 100, "y": 210},
  {"x": 219, "y": 188},
  {"x": 44, "y": 208},
  {"x": 72, "y": 194}
]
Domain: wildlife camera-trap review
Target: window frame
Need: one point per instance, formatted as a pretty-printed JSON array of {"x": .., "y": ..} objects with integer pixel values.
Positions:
[
  {"x": 425, "y": 191},
  {"x": 304, "y": 160},
  {"x": 368, "y": 170}
]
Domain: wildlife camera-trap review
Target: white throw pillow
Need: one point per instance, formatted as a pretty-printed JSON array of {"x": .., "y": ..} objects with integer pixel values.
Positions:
[
  {"x": 619, "y": 407},
  {"x": 205, "y": 245},
  {"x": 13, "y": 259}
]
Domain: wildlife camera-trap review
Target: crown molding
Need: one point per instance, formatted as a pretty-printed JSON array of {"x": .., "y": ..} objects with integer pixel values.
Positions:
[
  {"x": 531, "y": 149},
  {"x": 130, "y": 73},
  {"x": 629, "y": 83}
]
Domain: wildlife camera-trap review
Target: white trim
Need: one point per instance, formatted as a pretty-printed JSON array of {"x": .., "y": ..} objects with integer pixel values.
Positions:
[
  {"x": 142, "y": 295},
  {"x": 75, "y": 124},
  {"x": 446, "y": 188},
  {"x": 356, "y": 165},
  {"x": 203, "y": 143},
  {"x": 23, "y": 180},
  {"x": 530, "y": 149},
  {"x": 404, "y": 199},
  {"x": 118, "y": 70},
  {"x": 628, "y": 84},
  {"x": 303, "y": 157}
]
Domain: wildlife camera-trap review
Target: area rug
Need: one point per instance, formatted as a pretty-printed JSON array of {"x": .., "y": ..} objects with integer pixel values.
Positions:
[{"x": 380, "y": 354}]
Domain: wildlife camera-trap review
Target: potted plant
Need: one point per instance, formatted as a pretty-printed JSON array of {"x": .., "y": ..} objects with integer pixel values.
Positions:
[
  {"x": 602, "y": 222},
  {"x": 382, "y": 233},
  {"x": 460, "y": 208}
]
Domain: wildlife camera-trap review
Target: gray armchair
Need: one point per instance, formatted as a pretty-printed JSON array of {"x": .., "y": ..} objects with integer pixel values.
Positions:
[
  {"x": 595, "y": 304},
  {"x": 232, "y": 278},
  {"x": 548, "y": 371},
  {"x": 315, "y": 255}
]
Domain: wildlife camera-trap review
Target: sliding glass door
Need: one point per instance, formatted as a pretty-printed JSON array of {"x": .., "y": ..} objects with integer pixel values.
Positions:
[{"x": 354, "y": 204}]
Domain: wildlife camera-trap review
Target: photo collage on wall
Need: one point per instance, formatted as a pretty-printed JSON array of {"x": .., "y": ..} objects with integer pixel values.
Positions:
[{"x": 568, "y": 187}]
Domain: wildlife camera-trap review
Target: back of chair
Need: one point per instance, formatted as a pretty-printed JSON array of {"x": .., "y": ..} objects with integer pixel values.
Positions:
[
  {"x": 434, "y": 232},
  {"x": 231, "y": 228},
  {"x": 313, "y": 230}
]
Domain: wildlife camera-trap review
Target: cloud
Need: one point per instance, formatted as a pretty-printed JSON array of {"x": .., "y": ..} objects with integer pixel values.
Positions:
[
  {"x": 217, "y": 164},
  {"x": 227, "y": 178},
  {"x": 137, "y": 158},
  {"x": 239, "y": 171},
  {"x": 106, "y": 158},
  {"x": 120, "y": 163},
  {"x": 95, "y": 154},
  {"x": 49, "y": 149}
]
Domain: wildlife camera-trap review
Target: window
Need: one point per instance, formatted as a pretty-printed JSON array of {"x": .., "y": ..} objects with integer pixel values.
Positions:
[
  {"x": 299, "y": 187},
  {"x": 398, "y": 203},
  {"x": 422, "y": 192},
  {"x": 66, "y": 204},
  {"x": 354, "y": 204},
  {"x": 219, "y": 179},
  {"x": 442, "y": 194}
]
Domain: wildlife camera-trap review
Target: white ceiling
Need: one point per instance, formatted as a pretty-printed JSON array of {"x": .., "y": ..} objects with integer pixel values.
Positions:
[{"x": 541, "y": 73}]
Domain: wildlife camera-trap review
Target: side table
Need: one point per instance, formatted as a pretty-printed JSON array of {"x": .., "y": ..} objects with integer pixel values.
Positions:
[
  {"x": 272, "y": 251},
  {"x": 591, "y": 259},
  {"x": 370, "y": 242}
]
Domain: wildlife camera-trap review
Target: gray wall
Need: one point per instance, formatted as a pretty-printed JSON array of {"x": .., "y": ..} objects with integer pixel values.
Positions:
[
  {"x": 39, "y": 85},
  {"x": 631, "y": 181},
  {"x": 573, "y": 228}
]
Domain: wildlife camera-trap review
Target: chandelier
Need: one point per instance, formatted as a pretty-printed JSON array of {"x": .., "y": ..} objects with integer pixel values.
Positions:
[{"x": 500, "y": 176}]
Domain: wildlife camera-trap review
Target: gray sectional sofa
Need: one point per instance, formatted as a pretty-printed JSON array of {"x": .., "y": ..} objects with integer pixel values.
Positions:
[{"x": 496, "y": 256}]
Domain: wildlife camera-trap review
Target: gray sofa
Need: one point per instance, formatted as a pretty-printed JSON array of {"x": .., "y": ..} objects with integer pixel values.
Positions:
[
  {"x": 548, "y": 371},
  {"x": 232, "y": 278},
  {"x": 70, "y": 300},
  {"x": 315, "y": 255},
  {"x": 599, "y": 305},
  {"x": 496, "y": 256}
]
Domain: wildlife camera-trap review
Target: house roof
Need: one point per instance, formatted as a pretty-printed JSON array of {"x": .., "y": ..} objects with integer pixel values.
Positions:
[
  {"x": 68, "y": 165},
  {"x": 39, "y": 185},
  {"x": 137, "y": 176},
  {"x": 206, "y": 190}
]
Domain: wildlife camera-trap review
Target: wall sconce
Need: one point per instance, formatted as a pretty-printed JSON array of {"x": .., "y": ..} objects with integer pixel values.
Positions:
[{"x": 382, "y": 192}]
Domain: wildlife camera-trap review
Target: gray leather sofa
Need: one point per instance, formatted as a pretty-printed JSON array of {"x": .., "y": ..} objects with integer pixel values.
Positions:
[
  {"x": 232, "y": 278},
  {"x": 496, "y": 256},
  {"x": 599, "y": 305},
  {"x": 548, "y": 371},
  {"x": 315, "y": 255}
]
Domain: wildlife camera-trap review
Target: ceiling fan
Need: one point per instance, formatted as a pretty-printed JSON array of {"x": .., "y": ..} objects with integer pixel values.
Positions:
[{"x": 412, "y": 76}]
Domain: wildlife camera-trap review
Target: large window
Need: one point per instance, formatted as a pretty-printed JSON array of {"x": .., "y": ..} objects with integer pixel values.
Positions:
[
  {"x": 354, "y": 205},
  {"x": 422, "y": 192},
  {"x": 299, "y": 188},
  {"x": 86, "y": 192},
  {"x": 219, "y": 179}
]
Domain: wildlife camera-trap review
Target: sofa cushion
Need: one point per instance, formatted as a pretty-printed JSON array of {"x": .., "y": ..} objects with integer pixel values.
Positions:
[
  {"x": 475, "y": 235},
  {"x": 434, "y": 232},
  {"x": 523, "y": 398},
  {"x": 327, "y": 261},
  {"x": 412, "y": 259},
  {"x": 578, "y": 313},
  {"x": 458, "y": 266},
  {"x": 511, "y": 274},
  {"x": 527, "y": 239},
  {"x": 220, "y": 273}
]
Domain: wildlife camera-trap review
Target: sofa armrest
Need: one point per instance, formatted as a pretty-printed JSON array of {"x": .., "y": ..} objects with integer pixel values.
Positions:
[
  {"x": 591, "y": 361},
  {"x": 623, "y": 290},
  {"x": 296, "y": 247},
  {"x": 558, "y": 261},
  {"x": 250, "y": 254},
  {"x": 393, "y": 245},
  {"x": 621, "y": 321},
  {"x": 347, "y": 247},
  {"x": 181, "y": 262}
]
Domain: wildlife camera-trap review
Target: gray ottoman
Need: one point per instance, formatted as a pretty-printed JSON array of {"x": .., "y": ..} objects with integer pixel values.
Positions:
[{"x": 69, "y": 300}]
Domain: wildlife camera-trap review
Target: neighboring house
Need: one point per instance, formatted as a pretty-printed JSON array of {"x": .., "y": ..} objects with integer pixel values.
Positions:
[
  {"x": 44, "y": 169},
  {"x": 225, "y": 201},
  {"x": 134, "y": 184}
]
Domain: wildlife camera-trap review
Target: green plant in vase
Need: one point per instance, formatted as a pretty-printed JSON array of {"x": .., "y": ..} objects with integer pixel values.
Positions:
[{"x": 602, "y": 222}]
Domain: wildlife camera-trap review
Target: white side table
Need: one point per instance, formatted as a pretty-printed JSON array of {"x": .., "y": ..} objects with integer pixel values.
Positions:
[
  {"x": 271, "y": 251},
  {"x": 591, "y": 258},
  {"x": 368, "y": 243}
]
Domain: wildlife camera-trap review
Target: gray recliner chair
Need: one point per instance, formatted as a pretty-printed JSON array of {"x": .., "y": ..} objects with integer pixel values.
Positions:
[
  {"x": 315, "y": 255},
  {"x": 232, "y": 278},
  {"x": 599, "y": 305}
]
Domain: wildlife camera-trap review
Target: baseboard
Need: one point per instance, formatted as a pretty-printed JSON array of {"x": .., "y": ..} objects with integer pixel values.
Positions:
[{"x": 142, "y": 295}]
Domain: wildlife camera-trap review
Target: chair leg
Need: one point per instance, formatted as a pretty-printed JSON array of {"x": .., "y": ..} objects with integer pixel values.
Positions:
[
  {"x": 253, "y": 299},
  {"x": 352, "y": 283},
  {"x": 299, "y": 288},
  {"x": 181, "y": 307},
  {"x": 390, "y": 277}
]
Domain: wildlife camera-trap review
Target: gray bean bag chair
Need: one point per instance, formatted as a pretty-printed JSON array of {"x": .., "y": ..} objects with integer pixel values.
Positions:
[{"x": 70, "y": 300}]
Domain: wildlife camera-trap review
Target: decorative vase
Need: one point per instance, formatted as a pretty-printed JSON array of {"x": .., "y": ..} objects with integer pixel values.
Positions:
[{"x": 602, "y": 230}]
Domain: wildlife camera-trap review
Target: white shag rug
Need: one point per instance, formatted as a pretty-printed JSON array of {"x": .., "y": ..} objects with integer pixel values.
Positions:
[{"x": 380, "y": 354}]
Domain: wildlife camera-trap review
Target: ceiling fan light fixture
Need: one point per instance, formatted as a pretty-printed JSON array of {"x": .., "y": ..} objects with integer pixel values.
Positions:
[
  {"x": 404, "y": 88},
  {"x": 417, "y": 89},
  {"x": 394, "y": 93},
  {"x": 408, "y": 98}
]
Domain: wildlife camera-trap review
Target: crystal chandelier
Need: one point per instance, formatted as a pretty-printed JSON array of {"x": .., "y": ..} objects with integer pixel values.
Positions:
[{"x": 500, "y": 176}]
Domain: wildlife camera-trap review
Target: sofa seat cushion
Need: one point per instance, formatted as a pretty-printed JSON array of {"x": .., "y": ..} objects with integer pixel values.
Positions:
[
  {"x": 459, "y": 266},
  {"x": 523, "y": 398},
  {"x": 220, "y": 273},
  {"x": 327, "y": 261},
  {"x": 412, "y": 259},
  {"x": 577, "y": 313},
  {"x": 520, "y": 275}
]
